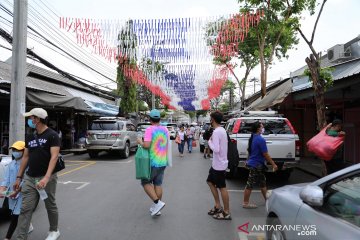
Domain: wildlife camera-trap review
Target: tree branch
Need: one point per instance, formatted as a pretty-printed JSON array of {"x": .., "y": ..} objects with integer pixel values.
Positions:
[
  {"x": 309, "y": 44},
  {"x": 316, "y": 22}
]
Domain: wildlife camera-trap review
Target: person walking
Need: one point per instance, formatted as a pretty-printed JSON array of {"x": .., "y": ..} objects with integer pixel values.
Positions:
[
  {"x": 206, "y": 136},
  {"x": 181, "y": 140},
  {"x": 216, "y": 178},
  {"x": 15, "y": 198},
  {"x": 156, "y": 139},
  {"x": 190, "y": 137},
  {"x": 37, "y": 173},
  {"x": 337, "y": 161},
  {"x": 258, "y": 153}
]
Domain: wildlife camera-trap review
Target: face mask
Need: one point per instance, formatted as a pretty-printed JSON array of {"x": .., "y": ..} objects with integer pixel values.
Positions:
[
  {"x": 17, "y": 155},
  {"x": 30, "y": 123},
  {"x": 262, "y": 130}
]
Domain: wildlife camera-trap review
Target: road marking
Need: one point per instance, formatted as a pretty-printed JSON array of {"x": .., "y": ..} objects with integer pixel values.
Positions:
[
  {"x": 83, "y": 184},
  {"x": 129, "y": 161},
  {"x": 75, "y": 164},
  {"x": 76, "y": 169},
  {"x": 241, "y": 191}
]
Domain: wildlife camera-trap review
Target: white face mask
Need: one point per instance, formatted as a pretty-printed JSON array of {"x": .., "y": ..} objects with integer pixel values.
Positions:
[
  {"x": 262, "y": 130},
  {"x": 17, "y": 155}
]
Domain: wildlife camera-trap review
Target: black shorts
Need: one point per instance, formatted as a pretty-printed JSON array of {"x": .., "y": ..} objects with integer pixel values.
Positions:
[
  {"x": 217, "y": 178},
  {"x": 256, "y": 175}
]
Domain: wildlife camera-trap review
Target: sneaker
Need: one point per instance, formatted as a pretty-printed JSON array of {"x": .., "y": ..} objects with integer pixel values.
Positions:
[
  {"x": 158, "y": 214},
  {"x": 152, "y": 207},
  {"x": 31, "y": 228},
  {"x": 160, "y": 205},
  {"x": 53, "y": 235}
]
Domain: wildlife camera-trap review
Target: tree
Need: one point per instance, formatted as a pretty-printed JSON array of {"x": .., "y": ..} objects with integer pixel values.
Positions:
[
  {"x": 320, "y": 77},
  {"x": 276, "y": 32},
  {"x": 229, "y": 86},
  {"x": 126, "y": 59}
]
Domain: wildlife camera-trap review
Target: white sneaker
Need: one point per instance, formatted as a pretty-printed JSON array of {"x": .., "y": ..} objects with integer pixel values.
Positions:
[
  {"x": 152, "y": 207},
  {"x": 158, "y": 207},
  {"x": 31, "y": 228},
  {"x": 53, "y": 235},
  {"x": 158, "y": 214}
]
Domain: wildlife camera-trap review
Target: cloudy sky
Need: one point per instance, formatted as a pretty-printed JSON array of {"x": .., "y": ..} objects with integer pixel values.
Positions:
[{"x": 338, "y": 24}]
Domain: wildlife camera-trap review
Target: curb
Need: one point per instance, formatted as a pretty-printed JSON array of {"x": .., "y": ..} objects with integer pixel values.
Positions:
[{"x": 308, "y": 172}]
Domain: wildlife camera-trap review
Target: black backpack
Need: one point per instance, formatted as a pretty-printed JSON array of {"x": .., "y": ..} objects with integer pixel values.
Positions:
[
  {"x": 208, "y": 133},
  {"x": 232, "y": 154}
]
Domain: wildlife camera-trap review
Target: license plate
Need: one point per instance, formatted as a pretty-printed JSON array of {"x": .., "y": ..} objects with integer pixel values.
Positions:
[{"x": 100, "y": 136}]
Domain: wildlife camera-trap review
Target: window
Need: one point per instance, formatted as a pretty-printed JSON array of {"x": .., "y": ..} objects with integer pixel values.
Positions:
[
  {"x": 130, "y": 127},
  {"x": 106, "y": 125},
  {"x": 342, "y": 199},
  {"x": 272, "y": 126},
  {"x": 229, "y": 126}
]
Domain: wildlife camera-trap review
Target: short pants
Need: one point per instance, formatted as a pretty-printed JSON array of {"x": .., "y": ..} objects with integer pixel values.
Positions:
[
  {"x": 256, "y": 175},
  {"x": 217, "y": 178},
  {"x": 156, "y": 178}
]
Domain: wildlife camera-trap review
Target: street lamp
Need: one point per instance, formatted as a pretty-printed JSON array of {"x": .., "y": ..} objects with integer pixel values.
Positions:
[{"x": 254, "y": 79}]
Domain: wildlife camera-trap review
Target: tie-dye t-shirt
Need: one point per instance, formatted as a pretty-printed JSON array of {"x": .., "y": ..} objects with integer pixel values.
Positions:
[{"x": 158, "y": 136}]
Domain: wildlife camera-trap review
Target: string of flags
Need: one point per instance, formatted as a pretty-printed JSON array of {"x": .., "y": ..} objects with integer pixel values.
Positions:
[{"x": 185, "y": 47}]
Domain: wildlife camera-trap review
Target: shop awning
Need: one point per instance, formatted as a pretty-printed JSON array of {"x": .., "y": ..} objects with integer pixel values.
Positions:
[
  {"x": 102, "y": 108},
  {"x": 272, "y": 97},
  {"x": 51, "y": 100}
]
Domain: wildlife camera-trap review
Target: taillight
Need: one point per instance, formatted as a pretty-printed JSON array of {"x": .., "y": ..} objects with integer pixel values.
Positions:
[
  {"x": 297, "y": 148},
  {"x": 237, "y": 126},
  {"x": 115, "y": 135},
  {"x": 290, "y": 126},
  {"x": 233, "y": 140}
]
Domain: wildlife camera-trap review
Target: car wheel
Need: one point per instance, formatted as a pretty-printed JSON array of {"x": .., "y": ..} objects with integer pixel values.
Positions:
[
  {"x": 202, "y": 148},
  {"x": 93, "y": 154},
  {"x": 274, "y": 233},
  {"x": 126, "y": 152}
]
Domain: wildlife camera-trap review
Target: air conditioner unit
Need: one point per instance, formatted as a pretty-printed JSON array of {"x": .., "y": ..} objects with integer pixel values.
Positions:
[{"x": 338, "y": 53}]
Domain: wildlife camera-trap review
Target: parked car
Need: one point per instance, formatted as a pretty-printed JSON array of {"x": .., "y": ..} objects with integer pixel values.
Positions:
[
  {"x": 111, "y": 134},
  {"x": 4, "y": 162},
  {"x": 328, "y": 208},
  {"x": 282, "y": 141},
  {"x": 141, "y": 127},
  {"x": 172, "y": 132}
]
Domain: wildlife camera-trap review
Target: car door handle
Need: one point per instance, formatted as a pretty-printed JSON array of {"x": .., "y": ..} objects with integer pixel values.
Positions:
[{"x": 268, "y": 141}]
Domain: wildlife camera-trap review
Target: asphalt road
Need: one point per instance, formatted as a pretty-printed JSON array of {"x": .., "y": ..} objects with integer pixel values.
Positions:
[{"x": 101, "y": 199}]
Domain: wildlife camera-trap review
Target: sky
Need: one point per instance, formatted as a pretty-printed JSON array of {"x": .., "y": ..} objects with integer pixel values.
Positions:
[{"x": 338, "y": 24}]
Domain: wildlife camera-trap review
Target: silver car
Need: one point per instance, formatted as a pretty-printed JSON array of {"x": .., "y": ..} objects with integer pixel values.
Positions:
[
  {"x": 328, "y": 208},
  {"x": 111, "y": 134}
]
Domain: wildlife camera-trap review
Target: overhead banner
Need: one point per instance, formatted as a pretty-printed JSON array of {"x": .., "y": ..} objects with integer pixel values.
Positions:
[{"x": 184, "y": 47}]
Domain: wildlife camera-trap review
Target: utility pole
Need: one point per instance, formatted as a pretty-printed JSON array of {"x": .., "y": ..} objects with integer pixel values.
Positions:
[{"x": 18, "y": 72}]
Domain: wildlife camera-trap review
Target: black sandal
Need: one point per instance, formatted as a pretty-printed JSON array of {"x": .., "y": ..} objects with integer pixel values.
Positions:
[
  {"x": 222, "y": 216},
  {"x": 214, "y": 211}
]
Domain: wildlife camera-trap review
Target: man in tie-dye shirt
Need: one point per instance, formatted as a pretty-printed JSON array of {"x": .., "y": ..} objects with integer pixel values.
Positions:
[{"x": 156, "y": 140}]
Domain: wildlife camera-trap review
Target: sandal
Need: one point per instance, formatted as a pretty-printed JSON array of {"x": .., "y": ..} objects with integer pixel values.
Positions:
[
  {"x": 214, "y": 211},
  {"x": 249, "y": 206},
  {"x": 222, "y": 216}
]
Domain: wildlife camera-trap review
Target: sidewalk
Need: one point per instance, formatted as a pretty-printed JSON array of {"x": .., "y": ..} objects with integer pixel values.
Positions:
[{"x": 310, "y": 166}]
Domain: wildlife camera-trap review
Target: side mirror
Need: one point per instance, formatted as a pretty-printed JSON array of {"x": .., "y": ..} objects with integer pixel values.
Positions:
[{"x": 312, "y": 195}]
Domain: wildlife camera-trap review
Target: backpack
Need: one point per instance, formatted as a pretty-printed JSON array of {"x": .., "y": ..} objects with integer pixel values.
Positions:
[
  {"x": 208, "y": 133},
  {"x": 232, "y": 154}
]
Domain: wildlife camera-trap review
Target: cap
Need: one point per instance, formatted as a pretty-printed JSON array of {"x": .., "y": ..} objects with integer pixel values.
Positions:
[
  {"x": 38, "y": 112},
  {"x": 155, "y": 114},
  {"x": 19, "y": 145}
]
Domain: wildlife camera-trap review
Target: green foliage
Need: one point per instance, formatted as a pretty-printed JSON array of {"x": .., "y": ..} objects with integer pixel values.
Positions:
[
  {"x": 325, "y": 76},
  {"x": 201, "y": 113},
  {"x": 192, "y": 114},
  {"x": 162, "y": 114},
  {"x": 225, "y": 107},
  {"x": 142, "y": 106}
]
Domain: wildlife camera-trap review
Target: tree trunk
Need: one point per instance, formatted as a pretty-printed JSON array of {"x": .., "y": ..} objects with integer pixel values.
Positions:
[
  {"x": 319, "y": 86},
  {"x": 263, "y": 70}
]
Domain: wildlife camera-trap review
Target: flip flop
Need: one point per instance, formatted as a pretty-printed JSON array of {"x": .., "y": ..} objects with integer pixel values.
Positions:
[
  {"x": 214, "y": 211},
  {"x": 249, "y": 206}
]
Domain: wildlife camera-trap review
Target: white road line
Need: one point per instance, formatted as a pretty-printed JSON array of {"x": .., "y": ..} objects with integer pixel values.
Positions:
[
  {"x": 241, "y": 191},
  {"x": 82, "y": 186}
]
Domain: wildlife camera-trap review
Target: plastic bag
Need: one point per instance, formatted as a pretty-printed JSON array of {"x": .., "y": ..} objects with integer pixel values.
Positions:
[
  {"x": 169, "y": 154},
  {"x": 324, "y": 146},
  {"x": 142, "y": 163},
  {"x": 177, "y": 139},
  {"x": 193, "y": 143}
]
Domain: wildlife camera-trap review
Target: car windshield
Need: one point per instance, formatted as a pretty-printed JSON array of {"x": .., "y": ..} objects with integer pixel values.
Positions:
[
  {"x": 107, "y": 125},
  {"x": 170, "y": 128},
  {"x": 143, "y": 127},
  {"x": 272, "y": 126}
]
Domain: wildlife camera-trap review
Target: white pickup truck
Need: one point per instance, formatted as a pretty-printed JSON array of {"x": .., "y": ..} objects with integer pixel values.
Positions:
[{"x": 282, "y": 141}]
